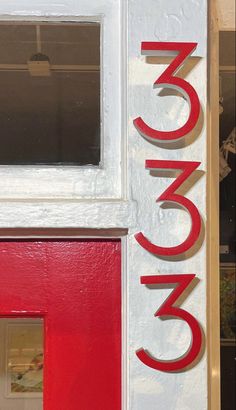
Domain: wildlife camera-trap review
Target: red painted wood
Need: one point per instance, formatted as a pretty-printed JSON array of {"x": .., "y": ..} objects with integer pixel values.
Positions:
[{"x": 76, "y": 287}]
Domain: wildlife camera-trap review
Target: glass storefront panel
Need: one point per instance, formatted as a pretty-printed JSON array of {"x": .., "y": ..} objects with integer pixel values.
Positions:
[{"x": 227, "y": 218}]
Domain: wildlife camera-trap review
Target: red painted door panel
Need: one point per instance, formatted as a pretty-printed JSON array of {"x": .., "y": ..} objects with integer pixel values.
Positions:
[{"x": 76, "y": 287}]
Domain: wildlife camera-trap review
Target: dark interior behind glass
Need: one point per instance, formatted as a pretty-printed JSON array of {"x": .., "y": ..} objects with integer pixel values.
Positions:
[
  {"x": 50, "y": 93},
  {"x": 227, "y": 219}
]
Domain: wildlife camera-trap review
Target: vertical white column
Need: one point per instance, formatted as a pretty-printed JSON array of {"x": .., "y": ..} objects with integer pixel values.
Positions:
[{"x": 178, "y": 21}]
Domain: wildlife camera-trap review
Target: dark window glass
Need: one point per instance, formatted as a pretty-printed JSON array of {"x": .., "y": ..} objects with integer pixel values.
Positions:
[{"x": 50, "y": 93}]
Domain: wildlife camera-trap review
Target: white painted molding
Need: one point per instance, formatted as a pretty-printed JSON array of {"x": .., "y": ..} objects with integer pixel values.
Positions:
[{"x": 68, "y": 214}]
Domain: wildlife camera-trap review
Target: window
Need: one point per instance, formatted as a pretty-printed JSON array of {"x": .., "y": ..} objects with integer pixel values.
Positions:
[
  {"x": 50, "y": 93},
  {"x": 65, "y": 164}
]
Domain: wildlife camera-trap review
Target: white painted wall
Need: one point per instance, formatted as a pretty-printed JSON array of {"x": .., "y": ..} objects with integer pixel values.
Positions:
[
  {"x": 153, "y": 20},
  {"x": 135, "y": 207}
]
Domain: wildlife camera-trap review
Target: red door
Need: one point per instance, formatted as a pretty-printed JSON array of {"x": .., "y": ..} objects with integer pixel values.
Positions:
[{"x": 76, "y": 287}]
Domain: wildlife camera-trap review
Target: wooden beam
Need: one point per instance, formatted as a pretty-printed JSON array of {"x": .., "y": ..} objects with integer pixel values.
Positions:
[
  {"x": 213, "y": 282},
  {"x": 228, "y": 68}
]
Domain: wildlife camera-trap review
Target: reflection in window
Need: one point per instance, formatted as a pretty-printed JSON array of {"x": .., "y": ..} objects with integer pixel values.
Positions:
[
  {"x": 227, "y": 219},
  {"x": 50, "y": 93}
]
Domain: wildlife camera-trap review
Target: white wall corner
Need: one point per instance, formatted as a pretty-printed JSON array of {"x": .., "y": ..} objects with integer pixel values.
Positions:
[{"x": 177, "y": 21}]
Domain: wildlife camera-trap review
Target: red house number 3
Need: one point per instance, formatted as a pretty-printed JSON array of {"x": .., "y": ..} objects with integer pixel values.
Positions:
[{"x": 181, "y": 51}]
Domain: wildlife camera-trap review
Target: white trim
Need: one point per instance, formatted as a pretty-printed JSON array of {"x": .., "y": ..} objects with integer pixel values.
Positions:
[
  {"x": 103, "y": 181},
  {"x": 125, "y": 194},
  {"x": 68, "y": 214}
]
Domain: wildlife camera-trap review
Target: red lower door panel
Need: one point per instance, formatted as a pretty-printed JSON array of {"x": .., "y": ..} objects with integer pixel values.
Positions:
[{"x": 76, "y": 287}]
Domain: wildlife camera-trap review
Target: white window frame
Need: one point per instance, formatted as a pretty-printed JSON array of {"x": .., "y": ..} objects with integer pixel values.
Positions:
[{"x": 77, "y": 182}]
